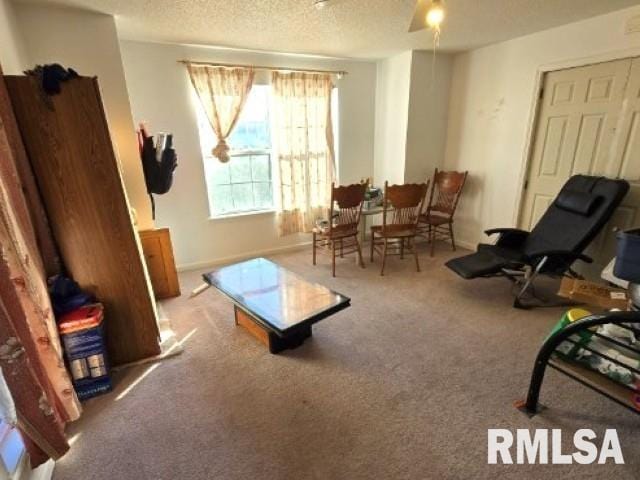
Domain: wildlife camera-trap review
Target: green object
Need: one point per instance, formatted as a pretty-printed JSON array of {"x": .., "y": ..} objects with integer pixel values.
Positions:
[{"x": 581, "y": 339}]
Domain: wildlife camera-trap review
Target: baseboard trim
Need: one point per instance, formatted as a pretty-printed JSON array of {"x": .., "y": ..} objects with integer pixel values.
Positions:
[
  {"x": 465, "y": 244},
  {"x": 244, "y": 256}
]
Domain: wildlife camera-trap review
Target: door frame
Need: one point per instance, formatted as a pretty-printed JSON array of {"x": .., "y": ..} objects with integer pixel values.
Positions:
[{"x": 534, "y": 110}]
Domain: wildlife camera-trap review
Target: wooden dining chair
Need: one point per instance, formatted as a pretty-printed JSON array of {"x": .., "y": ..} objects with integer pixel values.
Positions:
[
  {"x": 400, "y": 215},
  {"x": 341, "y": 231},
  {"x": 436, "y": 223}
]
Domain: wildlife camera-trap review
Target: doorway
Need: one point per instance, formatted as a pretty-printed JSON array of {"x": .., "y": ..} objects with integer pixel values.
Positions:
[{"x": 588, "y": 123}]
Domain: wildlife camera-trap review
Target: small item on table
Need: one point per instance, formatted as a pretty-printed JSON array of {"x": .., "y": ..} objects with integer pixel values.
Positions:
[{"x": 372, "y": 197}]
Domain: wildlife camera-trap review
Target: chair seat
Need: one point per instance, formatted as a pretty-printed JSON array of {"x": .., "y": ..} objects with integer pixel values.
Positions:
[
  {"x": 510, "y": 254},
  {"x": 336, "y": 233},
  {"x": 393, "y": 231},
  {"x": 434, "y": 219}
]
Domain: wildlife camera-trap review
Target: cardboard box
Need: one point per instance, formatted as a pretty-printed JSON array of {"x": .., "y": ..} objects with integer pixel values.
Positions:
[{"x": 594, "y": 294}]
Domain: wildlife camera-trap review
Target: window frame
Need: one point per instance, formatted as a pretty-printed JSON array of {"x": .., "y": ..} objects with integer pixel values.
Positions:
[
  {"x": 204, "y": 128},
  {"x": 242, "y": 212}
]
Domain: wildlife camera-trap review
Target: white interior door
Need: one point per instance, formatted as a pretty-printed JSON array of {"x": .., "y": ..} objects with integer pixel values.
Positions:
[
  {"x": 624, "y": 163},
  {"x": 588, "y": 123}
]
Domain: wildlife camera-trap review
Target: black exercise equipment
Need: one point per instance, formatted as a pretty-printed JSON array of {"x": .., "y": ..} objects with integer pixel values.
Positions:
[
  {"x": 548, "y": 357},
  {"x": 626, "y": 268}
]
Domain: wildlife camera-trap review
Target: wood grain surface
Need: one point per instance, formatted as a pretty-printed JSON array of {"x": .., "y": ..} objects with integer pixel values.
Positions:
[
  {"x": 158, "y": 253},
  {"x": 70, "y": 150}
]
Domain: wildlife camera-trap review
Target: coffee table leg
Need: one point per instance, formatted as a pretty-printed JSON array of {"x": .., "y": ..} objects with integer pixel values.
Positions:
[
  {"x": 274, "y": 342},
  {"x": 249, "y": 324},
  {"x": 292, "y": 340}
]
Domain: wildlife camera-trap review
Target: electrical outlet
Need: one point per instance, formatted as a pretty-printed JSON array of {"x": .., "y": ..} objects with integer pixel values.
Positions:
[{"x": 633, "y": 25}]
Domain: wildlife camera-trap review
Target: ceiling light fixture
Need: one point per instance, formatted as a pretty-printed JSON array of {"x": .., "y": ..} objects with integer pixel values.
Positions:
[{"x": 435, "y": 16}]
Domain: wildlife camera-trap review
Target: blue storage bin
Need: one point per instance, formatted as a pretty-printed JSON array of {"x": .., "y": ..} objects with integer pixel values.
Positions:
[
  {"x": 82, "y": 334},
  {"x": 627, "y": 266}
]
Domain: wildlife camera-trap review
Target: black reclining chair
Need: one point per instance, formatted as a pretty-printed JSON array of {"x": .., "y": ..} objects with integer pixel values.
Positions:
[{"x": 572, "y": 221}]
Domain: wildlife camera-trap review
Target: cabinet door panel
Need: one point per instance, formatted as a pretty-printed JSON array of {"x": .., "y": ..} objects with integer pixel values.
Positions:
[{"x": 158, "y": 254}]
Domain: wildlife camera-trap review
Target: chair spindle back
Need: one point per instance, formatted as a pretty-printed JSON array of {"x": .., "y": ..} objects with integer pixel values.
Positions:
[
  {"x": 346, "y": 206},
  {"x": 403, "y": 205},
  {"x": 447, "y": 187}
]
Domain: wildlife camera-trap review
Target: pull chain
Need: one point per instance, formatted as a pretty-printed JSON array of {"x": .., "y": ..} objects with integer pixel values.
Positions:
[{"x": 436, "y": 44}]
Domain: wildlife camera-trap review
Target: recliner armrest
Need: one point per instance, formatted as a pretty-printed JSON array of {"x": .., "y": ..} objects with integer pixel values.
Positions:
[
  {"x": 509, "y": 237},
  {"x": 565, "y": 255}
]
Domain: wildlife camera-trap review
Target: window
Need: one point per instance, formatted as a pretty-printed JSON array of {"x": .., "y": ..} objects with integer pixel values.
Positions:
[
  {"x": 244, "y": 184},
  {"x": 11, "y": 450},
  {"x": 11, "y": 446}
]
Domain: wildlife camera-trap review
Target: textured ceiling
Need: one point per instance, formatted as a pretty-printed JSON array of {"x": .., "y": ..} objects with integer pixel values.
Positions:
[{"x": 345, "y": 28}]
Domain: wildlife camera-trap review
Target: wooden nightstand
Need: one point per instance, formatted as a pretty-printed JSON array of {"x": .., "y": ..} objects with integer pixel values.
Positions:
[{"x": 158, "y": 254}]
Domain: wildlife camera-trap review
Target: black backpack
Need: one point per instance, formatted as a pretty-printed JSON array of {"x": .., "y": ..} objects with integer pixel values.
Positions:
[{"x": 158, "y": 174}]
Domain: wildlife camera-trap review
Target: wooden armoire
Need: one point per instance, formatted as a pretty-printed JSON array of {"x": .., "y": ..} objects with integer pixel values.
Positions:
[{"x": 71, "y": 155}]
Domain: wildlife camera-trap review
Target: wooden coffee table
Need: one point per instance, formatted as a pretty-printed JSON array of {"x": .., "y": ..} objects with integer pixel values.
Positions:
[{"x": 275, "y": 305}]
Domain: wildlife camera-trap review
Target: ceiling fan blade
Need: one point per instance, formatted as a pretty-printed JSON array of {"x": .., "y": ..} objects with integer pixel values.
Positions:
[{"x": 419, "y": 22}]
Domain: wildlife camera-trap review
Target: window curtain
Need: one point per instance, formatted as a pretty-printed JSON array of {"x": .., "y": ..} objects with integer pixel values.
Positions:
[
  {"x": 304, "y": 144},
  {"x": 30, "y": 351},
  {"x": 222, "y": 92}
]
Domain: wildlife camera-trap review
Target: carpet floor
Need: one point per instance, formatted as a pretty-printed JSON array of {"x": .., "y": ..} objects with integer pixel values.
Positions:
[{"x": 402, "y": 385}]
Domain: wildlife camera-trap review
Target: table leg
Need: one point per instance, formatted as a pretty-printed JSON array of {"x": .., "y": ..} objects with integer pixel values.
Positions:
[
  {"x": 273, "y": 341},
  {"x": 364, "y": 229}
]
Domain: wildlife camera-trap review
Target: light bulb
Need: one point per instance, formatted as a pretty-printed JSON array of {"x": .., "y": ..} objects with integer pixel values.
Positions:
[{"x": 435, "y": 14}]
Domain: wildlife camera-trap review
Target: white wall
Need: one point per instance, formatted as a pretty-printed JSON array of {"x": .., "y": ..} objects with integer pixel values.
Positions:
[
  {"x": 392, "y": 116},
  {"x": 161, "y": 95},
  {"x": 428, "y": 111},
  {"x": 491, "y": 102},
  {"x": 12, "y": 54},
  {"x": 88, "y": 42},
  {"x": 412, "y": 105}
]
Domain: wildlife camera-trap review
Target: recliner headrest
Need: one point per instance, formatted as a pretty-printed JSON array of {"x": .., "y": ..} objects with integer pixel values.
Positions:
[{"x": 582, "y": 203}]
